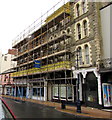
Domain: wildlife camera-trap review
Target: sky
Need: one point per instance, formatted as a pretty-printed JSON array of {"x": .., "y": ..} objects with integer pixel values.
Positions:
[{"x": 17, "y": 15}]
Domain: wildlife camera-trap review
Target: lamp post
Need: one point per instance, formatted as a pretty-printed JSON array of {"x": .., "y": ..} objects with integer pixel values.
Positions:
[{"x": 78, "y": 82}]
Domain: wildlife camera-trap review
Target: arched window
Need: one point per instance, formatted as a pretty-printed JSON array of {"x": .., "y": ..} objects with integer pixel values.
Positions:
[
  {"x": 85, "y": 28},
  {"x": 77, "y": 10},
  {"x": 84, "y": 7},
  {"x": 79, "y": 31},
  {"x": 87, "y": 54},
  {"x": 79, "y": 50}
]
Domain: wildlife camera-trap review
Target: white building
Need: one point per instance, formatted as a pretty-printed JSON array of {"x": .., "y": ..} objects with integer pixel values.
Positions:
[{"x": 5, "y": 62}]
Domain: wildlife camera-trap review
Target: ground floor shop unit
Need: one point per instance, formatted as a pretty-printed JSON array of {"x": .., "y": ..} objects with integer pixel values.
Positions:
[
  {"x": 6, "y": 89},
  {"x": 62, "y": 90},
  {"x": 37, "y": 90},
  {"x": 89, "y": 86},
  {"x": 106, "y": 78},
  {"x": 47, "y": 87}
]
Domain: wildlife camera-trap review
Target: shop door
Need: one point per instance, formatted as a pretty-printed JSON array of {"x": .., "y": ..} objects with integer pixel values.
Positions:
[{"x": 91, "y": 90}]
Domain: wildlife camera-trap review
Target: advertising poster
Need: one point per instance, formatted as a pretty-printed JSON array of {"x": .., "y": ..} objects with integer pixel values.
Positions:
[{"x": 107, "y": 94}]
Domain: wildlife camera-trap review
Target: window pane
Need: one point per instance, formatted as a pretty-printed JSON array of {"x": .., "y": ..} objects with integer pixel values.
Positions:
[
  {"x": 80, "y": 56},
  {"x": 87, "y": 54},
  {"x": 55, "y": 91},
  {"x": 85, "y": 28},
  {"x": 84, "y": 7},
  {"x": 78, "y": 11},
  {"x": 34, "y": 91},
  {"x": 63, "y": 92},
  {"x": 79, "y": 31}
]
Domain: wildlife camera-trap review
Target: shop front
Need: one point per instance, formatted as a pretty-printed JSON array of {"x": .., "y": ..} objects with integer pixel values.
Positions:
[
  {"x": 38, "y": 93},
  {"x": 61, "y": 91},
  {"x": 106, "y": 78},
  {"x": 91, "y": 90},
  {"x": 37, "y": 90},
  {"x": 89, "y": 86}
]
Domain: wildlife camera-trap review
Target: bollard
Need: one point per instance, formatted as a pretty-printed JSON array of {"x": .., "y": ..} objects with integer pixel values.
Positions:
[
  {"x": 78, "y": 106},
  {"x": 63, "y": 105}
]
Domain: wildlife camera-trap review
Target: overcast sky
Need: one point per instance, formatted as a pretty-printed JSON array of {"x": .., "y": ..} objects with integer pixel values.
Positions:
[{"x": 17, "y": 15}]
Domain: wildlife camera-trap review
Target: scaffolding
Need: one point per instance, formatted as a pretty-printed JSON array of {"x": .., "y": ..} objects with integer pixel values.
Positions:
[{"x": 47, "y": 40}]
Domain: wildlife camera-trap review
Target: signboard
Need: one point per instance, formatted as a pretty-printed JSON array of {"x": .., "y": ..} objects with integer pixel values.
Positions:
[
  {"x": 36, "y": 63},
  {"x": 12, "y": 51}
]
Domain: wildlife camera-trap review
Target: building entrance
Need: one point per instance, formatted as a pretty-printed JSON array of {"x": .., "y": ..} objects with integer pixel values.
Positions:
[{"x": 91, "y": 90}]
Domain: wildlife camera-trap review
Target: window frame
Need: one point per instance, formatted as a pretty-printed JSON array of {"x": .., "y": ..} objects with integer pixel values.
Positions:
[{"x": 87, "y": 55}]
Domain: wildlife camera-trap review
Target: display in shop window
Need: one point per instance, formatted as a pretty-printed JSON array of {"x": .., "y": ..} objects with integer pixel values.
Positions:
[
  {"x": 107, "y": 94},
  {"x": 55, "y": 91}
]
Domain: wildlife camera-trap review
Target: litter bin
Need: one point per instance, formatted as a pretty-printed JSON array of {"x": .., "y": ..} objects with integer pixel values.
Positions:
[{"x": 63, "y": 105}]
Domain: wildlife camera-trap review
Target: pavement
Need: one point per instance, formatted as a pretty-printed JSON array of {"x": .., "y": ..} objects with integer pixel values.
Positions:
[{"x": 86, "y": 112}]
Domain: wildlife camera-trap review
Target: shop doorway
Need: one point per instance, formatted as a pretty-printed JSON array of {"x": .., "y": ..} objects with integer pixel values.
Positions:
[{"x": 91, "y": 90}]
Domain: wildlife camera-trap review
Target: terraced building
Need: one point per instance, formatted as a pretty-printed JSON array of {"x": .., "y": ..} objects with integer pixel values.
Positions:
[
  {"x": 58, "y": 56},
  {"x": 44, "y": 67}
]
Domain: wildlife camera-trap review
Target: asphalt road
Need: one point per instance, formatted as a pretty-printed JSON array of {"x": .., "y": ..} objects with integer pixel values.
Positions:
[{"x": 33, "y": 110}]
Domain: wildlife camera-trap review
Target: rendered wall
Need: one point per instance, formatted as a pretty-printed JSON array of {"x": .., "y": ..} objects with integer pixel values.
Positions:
[{"x": 106, "y": 26}]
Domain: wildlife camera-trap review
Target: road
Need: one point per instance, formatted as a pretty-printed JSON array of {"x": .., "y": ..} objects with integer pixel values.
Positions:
[{"x": 34, "y": 110}]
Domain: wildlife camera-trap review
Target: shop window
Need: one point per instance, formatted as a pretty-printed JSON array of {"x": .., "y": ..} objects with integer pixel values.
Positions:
[
  {"x": 40, "y": 92},
  {"x": 55, "y": 91},
  {"x": 63, "y": 92},
  {"x": 34, "y": 91},
  {"x": 69, "y": 92}
]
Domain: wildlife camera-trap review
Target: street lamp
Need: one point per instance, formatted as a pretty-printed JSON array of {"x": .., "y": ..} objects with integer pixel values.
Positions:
[{"x": 78, "y": 103}]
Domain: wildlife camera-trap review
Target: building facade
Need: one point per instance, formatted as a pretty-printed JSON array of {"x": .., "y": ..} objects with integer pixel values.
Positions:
[
  {"x": 67, "y": 46},
  {"x": 6, "y": 66},
  {"x": 105, "y": 67},
  {"x": 6, "y": 62},
  {"x": 6, "y": 82},
  {"x": 50, "y": 47},
  {"x": 88, "y": 45}
]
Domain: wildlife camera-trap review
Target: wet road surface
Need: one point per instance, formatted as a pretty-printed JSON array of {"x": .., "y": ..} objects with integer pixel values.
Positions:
[{"x": 33, "y": 110}]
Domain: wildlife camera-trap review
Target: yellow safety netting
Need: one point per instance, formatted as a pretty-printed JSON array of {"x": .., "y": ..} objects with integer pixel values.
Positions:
[{"x": 49, "y": 67}]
